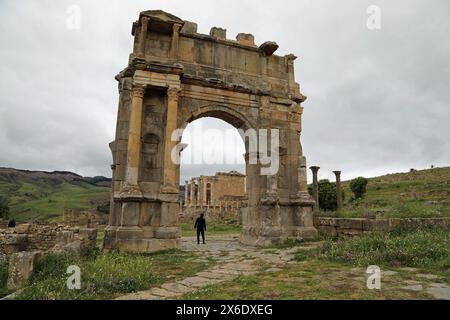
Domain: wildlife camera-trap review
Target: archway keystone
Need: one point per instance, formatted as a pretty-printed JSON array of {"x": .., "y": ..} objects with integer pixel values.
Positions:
[{"x": 174, "y": 76}]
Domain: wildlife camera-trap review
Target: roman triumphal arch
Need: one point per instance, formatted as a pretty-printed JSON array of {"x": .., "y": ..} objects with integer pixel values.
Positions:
[{"x": 174, "y": 76}]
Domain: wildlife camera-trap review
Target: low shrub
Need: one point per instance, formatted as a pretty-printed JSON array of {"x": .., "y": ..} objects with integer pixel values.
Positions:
[{"x": 422, "y": 248}]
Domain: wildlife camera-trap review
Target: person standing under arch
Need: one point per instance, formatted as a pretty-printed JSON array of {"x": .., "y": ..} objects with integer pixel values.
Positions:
[{"x": 200, "y": 225}]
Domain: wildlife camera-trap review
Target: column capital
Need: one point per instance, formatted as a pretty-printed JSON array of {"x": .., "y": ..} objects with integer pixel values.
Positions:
[
  {"x": 138, "y": 91},
  {"x": 337, "y": 173},
  {"x": 145, "y": 20},
  {"x": 173, "y": 92},
  {"x": 314, "y": 168},
  {"x": 176, "y": 27}
]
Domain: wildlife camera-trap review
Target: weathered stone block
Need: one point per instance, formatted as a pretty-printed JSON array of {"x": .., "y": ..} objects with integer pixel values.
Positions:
[
  {"x": 375, "y": 225},
  {"x": 21, "y": 265},
  {"x": 246, "y": 39},
  {"x": 356, "y": 224},
  {"x": 88, "y": 234},
  {"x": 218, "y": 33}
]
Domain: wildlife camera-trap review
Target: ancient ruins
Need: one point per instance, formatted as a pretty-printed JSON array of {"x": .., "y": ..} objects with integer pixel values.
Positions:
[
  {"x": 175, "y": 76},
  {"x": 219, "y": 196}
]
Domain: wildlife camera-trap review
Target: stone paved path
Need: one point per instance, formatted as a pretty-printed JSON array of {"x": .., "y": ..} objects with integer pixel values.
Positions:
[{"x": 234, "y": 259}]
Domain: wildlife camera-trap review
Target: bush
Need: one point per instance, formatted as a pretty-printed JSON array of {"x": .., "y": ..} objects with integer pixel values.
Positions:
[
  {"x": 358, "y": 187},
  {"x": 327, "y": 195},
  {"x": 4, "y": 207},
  {"x": 421, "y": 248}
]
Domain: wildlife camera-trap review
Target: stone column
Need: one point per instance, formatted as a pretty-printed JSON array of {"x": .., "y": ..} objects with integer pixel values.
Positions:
[
  {"x": 338, "y": 190},
  {"x": 170, "y": 168},
  {"x": 193, "y": 203},
  {"x": 315, "y": 170},
  {"x": 143, "y": 36},
  {"x": 134, "y": 141},
  {"x": 186, "y": 194},
  {"x": 175, "y": 38}
]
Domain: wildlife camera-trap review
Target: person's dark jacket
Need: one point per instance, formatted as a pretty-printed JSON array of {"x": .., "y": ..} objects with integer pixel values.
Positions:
[{"x": 200, "y": 224}]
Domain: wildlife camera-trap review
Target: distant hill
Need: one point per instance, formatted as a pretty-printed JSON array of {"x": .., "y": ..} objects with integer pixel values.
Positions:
[
  {"x": 44, "y": 195},
  {"x": 421, "y": 193}
]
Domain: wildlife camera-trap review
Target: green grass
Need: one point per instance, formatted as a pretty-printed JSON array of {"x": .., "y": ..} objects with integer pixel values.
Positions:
[
  {"x": 105, "y": 276},
  {"x": 213, "y": 228},
  {"x": 41, "y": 200},
  {"x": 313, "y": 279},
  {"x": 428, "y": 249},
  {"x": 420, "y": 194},
  {"x": 338, "y": 269}
]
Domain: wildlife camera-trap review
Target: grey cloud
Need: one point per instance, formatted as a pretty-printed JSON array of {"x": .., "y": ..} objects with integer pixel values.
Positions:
[{"x": 378, "y": 101}]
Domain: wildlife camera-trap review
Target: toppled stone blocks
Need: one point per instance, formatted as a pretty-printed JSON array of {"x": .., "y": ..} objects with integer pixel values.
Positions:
[{"x": 21, "y": 266}]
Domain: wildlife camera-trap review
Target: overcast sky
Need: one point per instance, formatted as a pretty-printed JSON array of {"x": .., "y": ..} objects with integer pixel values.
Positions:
[{"x": 378, "y": 100}]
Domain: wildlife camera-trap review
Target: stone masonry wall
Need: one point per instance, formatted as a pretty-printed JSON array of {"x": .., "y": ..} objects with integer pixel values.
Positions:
[
  {"x": 339, "y": 227},
  {"x": 42, "y": 237}
]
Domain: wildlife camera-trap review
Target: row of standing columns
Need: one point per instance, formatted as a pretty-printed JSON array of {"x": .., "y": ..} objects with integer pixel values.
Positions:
[{"x": 315, "y": 171}]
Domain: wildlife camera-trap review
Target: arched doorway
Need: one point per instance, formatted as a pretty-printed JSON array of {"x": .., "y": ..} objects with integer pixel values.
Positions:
[
  {"x": 212, "y": 162},
  {"x": 176, "y": 76}
]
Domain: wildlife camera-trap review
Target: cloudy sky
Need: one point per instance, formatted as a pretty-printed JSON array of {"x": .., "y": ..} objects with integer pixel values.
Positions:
[{"x": 378, "y": 100}]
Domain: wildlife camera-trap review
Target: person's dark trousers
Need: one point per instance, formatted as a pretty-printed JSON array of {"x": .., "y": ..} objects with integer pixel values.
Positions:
[{"x": 202, "y": 232}]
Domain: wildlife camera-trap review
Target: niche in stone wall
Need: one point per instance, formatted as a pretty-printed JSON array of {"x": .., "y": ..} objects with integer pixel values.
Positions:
[{"x": 151, "y": 167}]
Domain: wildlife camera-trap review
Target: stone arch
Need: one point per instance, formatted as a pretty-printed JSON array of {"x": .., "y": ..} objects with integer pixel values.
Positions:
[
  {"x": 174, "y": 76},
  {"x": 222, "y": 112}
]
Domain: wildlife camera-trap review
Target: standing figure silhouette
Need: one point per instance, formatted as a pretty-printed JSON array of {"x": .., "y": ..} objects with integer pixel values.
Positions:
[{"x": 200, "y": 225}]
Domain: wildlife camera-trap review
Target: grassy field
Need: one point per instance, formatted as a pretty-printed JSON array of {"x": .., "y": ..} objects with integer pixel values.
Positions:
[
  {"x": 338, "y": 270},
  {"x": 41, "y": 200},
  {"x": 424, "y": 193},
  {"x": 108, "y": 275}
]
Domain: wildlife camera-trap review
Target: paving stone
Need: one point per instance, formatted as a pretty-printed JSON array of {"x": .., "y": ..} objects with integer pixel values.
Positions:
[
  {"x": 412, "y": 282},
  {"x": 427, "y": 276},
  {"x": 413, "y": 287},
  {"x": 274, "y": 269},
  {"x": 176, "y": 287},
  {"x": 163, "y": 293},
  {"x": 212, "y": 275},
  {"x": 198, "y": 282},
  {"x": 439, "y": 291},
  {"x": 408, "y": 269},
  {"x": 388, "y": 273}
]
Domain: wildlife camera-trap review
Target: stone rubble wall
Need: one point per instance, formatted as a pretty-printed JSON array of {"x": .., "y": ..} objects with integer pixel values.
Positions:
[
  {"x": 43, "y": 237},
  {"x": 87, "y": 218},
  {"x": 345, "y": 227}
]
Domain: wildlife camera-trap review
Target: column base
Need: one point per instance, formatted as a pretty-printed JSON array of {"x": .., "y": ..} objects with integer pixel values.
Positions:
[{"x": 137, "y": 239}]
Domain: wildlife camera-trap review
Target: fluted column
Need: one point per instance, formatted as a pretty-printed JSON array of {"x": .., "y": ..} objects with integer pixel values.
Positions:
[
  {"x": 193, "y": 203},
  {"x": 169, "y": 185},
  {"x": 143, "y": 36},
  {"x": 338, "y": 190},
  {"x": 134, "y": 140},
  {"x": 315, "y": 170}
]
